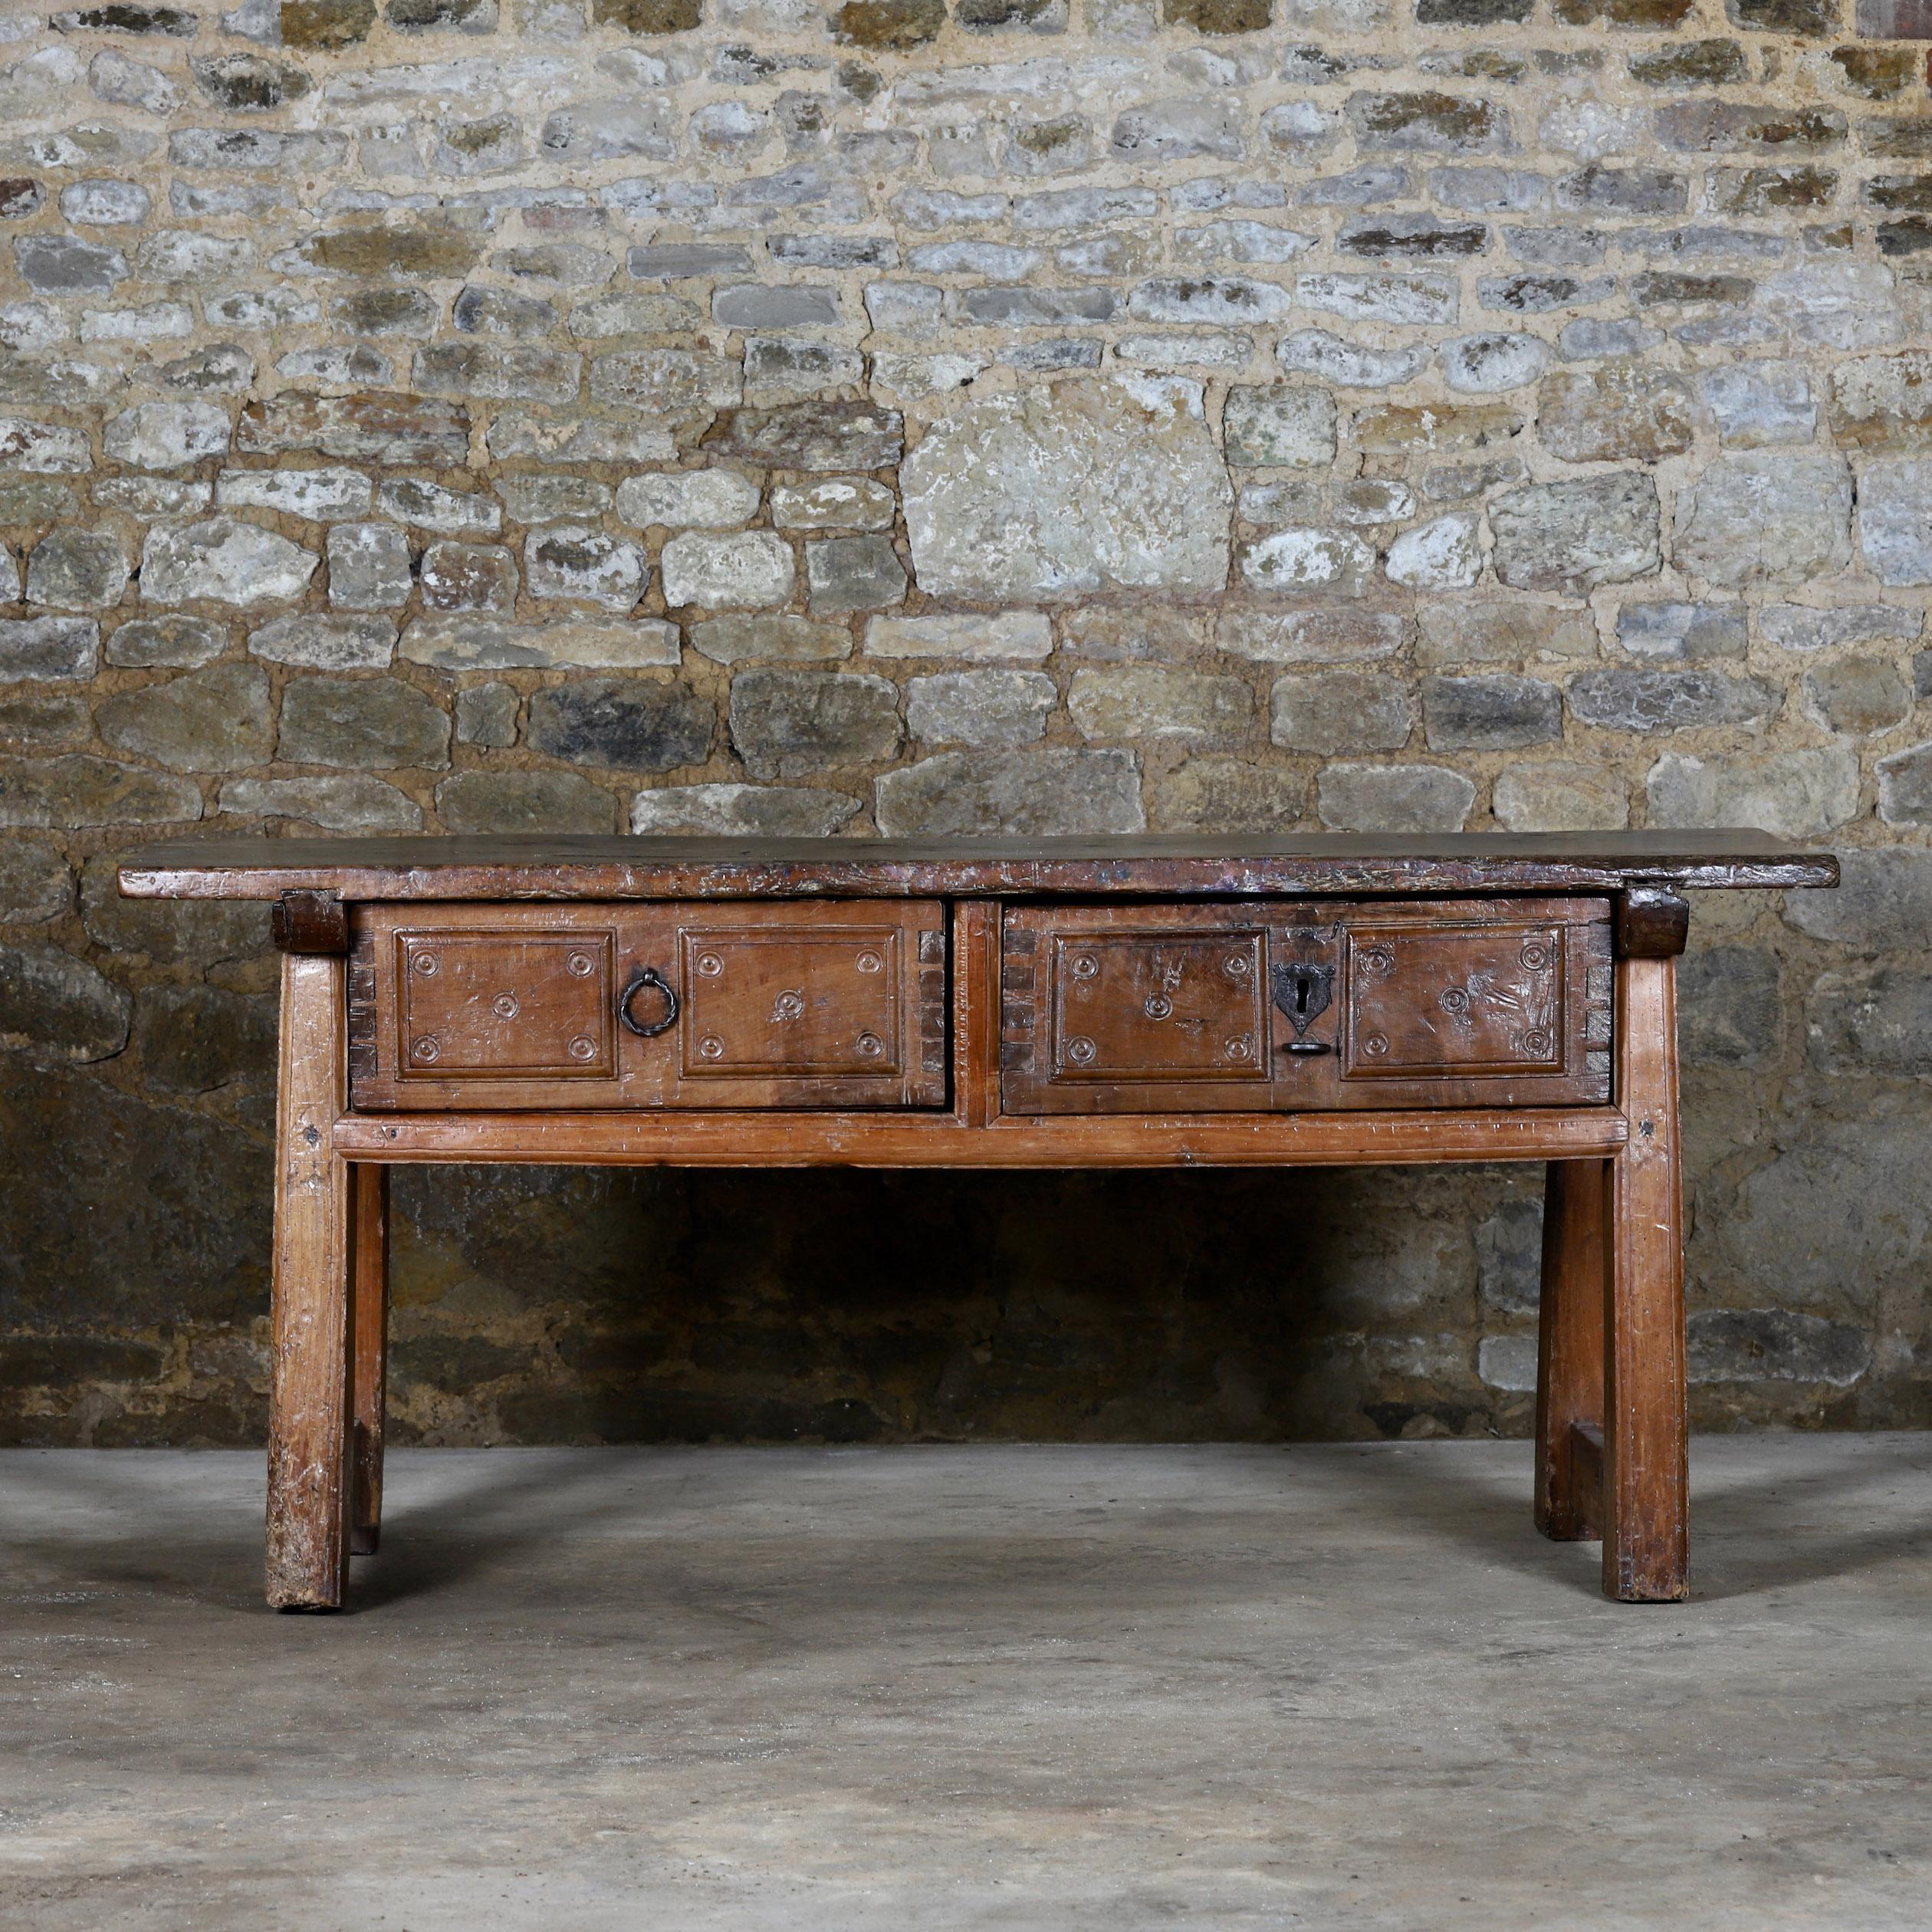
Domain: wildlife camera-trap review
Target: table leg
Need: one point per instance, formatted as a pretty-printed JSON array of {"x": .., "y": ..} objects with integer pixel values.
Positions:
[
  {"x": 1646, "y": 1478},
  {"x": 1569, "y": 1365},
  {"x": 369, "y": 1184},
  {"x": 309, "y": 1396}
]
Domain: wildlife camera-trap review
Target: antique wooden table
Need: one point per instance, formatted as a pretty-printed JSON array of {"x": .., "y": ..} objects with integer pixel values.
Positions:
[{"x": 1134, "y": 1002}]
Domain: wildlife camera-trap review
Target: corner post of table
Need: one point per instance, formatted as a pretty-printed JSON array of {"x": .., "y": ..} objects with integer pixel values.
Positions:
[
  {"x": 1646, "y": 1476},
  {"x": 313, "y": 1316}
]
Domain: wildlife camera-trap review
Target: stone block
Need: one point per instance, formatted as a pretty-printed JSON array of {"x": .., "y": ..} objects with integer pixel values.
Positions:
[
  {"x": 218, "y": 719},
  {"x": 1337, "y": 711},
  {"x": 1766, "y": 517},
  {"x": 1273, "y": 425},
  {"x": 319, "y": 643},
  {"x": 1494, "y": 711},
  {"x": 369, "y": 566},
  {"x": 349, "y": 803},
  {"x": 1619, "y": 413},
  {"x": 198, "y": 1039},
  {"x": 484, "y": 643},
  {"x": 1577, "y": 537},
  {"x": 53, "y": 1006},
  {"x": 222, "y": 560},
  {"x": 1353, "y": 797},
  {"x": 1621, "y": 699},
  {"x": 1501, "y": 630},
  {"x": 1147, "y": 700},
  {"x": 850, "y": 573},
  {"x": 743, "y": 811},
  {"x": 1446, "y": 554},
  {"x": 1682, "y": 632},
  {"x": 166, "y": 435},
  {"x": 468, "y": 576},
  {"x": 83, "y": 790},
  {"x": 1229, "y": 794},
  {"x": 35, "y": 882},
  {"x": 364, "y": 723},
  {"x": 1796, "y": 794},
  {"x": 846, "y": 503},
  {"x": 630, "y": 724},
  {"x": 1063, "y": 493},
  {"x": 1017, "y": 793},
  {"x": 524, "y": 801},
  {"x": 1858, "y": 696},
  {"x": 707, "y": 499},
  {"x": 1873, "y": 1021},
  {"x": 786, "y": 723},
  {"x": 48, "y": 648},
  {"x": 752, "y": 569},
  {"x": 1323, "y": 634},
  {"x": 1895, "y": 519},
  {"x": 980, "y": 707},
  {"x": 1905, "y": 786},
  {"x": 1882, "y": 903},
  {"x": 571, "y": 561},
  {"x": 1758, "y": 1345},
  {"x": 1560, "y": 795},
  {"x": 968, "y": 636},
  {"x": 1727, "y": 1006}
]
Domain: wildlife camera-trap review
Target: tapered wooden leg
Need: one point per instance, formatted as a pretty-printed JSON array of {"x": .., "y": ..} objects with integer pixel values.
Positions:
[
  {"x": 1569, "y": 1366},
  {"x": 369, "y": 1182},
  {"x": 312, "y": 1313},
  {"x": 1646, "y": 1475}
]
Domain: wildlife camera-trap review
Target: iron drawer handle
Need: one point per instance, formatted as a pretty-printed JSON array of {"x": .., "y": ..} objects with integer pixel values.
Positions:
[
  {"x": 648, "y": 976},
  {"x": 1307, "y": 1046}
]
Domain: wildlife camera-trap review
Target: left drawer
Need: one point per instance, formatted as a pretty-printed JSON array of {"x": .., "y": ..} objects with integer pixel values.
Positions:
[{"x": 753, "y": 1004}]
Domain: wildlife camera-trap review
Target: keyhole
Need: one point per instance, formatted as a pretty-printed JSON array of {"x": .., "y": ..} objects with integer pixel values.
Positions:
[{"x": 1301, "y": 994}]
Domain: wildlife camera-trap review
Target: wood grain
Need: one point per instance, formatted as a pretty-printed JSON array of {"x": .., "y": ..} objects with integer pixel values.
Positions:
[
  {"x": 369, "y": 1202},
  {"x": 1570, "y": 1362},
  {"x": 948, "y": 1140},
  {"x": 545, "y": 866},
  {"x": 794, "y": 1006},
  {"x": 1646, "y": 1479},
  {"x": 309, "y": 1389},
  {"x": 1484, "y": 1002}
]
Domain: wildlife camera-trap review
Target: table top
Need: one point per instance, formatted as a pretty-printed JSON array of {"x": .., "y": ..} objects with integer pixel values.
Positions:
[{"x": 545, "y": 867}]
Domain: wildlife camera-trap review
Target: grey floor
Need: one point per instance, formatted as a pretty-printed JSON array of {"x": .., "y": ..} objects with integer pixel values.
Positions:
[{"x": 967, "y": 1687}]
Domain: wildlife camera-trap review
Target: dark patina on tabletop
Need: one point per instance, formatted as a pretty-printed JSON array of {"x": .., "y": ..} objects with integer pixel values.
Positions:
[{"x": 553, "y": 866}]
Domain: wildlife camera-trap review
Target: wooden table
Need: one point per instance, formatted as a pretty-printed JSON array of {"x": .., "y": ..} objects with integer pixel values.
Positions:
[{"x": 1139, "y": 1002}]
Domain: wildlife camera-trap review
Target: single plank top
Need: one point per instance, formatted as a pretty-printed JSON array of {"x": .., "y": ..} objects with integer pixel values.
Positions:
[{"x": 542, "y": 866}]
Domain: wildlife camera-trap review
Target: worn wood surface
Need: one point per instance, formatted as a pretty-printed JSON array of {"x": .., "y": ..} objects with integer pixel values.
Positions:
[
  {"x": 1646, "y": 1509},
  {"x": 309, "y": 922},
  {"x": 732, "y": 1006},
  {"x": 946, "y": 1140},
  {"x": 309, "y": 1384},
  {"x": 1569, "y": 1364},
  {"x": 546, "y": 866},
  {"x": 1651, "y": 923},
  {"x": 1483, "y": 1003},
  {"x": 369, "y": 1287}
]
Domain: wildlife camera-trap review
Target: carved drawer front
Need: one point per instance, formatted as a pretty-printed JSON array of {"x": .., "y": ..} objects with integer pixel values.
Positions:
[
  {"x": 1306, "y": 1005},
  {"x": 745, "y": 1005}
]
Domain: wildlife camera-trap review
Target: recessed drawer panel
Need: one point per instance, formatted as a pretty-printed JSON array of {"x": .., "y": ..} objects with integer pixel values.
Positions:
[
  {"x": 745, "y": 1005},
  {"x": 1306, "y": 1004}
]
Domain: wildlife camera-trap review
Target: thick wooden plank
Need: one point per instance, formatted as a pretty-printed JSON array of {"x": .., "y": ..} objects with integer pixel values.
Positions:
[
  {"x": 309, "y": 1393},
  {"x": 369, "y": 1200},
  {"x": 544, "y": 866},
  {"x": 948, "y": 1140},
  {"x": 1569, "y": 1365},
  {"x": 1646, "y": 1477}
]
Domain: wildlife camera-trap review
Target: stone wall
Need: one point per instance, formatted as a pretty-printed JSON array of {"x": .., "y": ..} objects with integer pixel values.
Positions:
[{"x": 1028, "y": 414}]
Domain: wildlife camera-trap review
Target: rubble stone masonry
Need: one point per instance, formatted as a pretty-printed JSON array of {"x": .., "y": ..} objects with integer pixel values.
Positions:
[{"x": 959, "y": 416}]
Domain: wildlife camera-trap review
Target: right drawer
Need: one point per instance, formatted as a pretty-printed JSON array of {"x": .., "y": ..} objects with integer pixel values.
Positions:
[{"x": 1273, "y": 1005}]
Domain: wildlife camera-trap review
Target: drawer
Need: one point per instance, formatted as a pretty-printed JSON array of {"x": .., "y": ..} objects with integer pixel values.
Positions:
[
  {"x": 741, "y": 1005},
  {"x": 1300, "y": 1004}
]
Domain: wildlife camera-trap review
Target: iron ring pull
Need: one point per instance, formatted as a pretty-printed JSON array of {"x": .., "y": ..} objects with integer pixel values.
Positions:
[{"x": 648, "y": 976}]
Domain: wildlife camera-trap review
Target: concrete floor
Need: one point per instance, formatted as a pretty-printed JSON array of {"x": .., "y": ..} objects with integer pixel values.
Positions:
[{"x": 1009, "y": 1688}]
